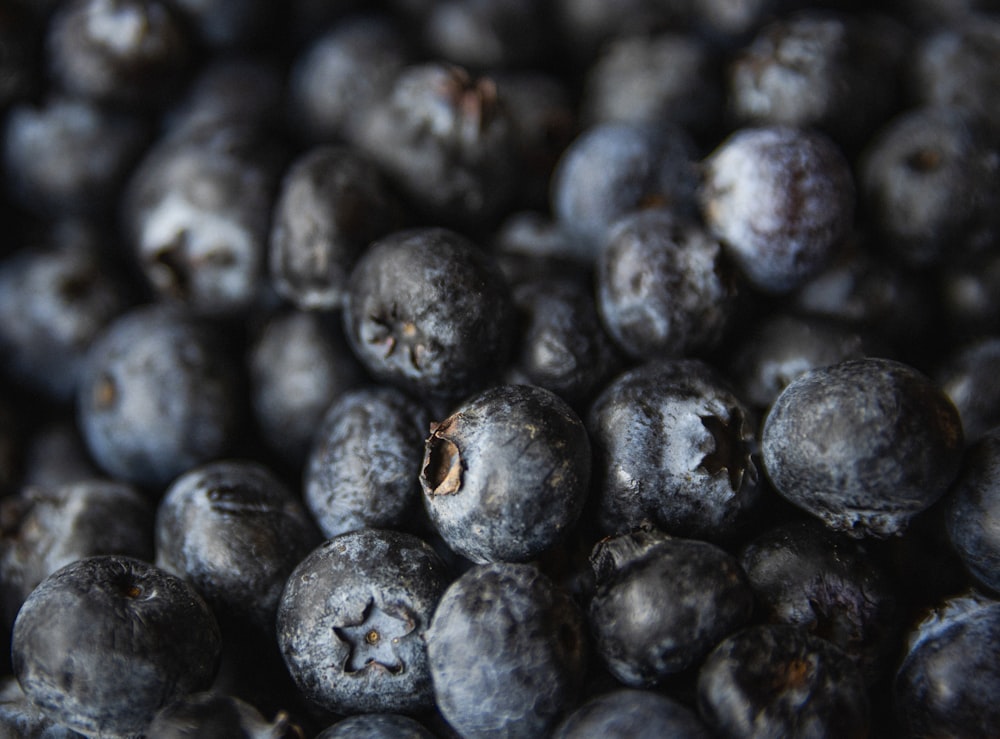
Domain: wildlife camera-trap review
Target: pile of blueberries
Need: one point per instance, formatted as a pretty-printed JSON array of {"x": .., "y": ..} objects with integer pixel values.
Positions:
[{"x": 499, "y": 368}]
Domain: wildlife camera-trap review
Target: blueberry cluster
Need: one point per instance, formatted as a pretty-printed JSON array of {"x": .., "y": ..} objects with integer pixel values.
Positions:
[{"x": 499, "y": 369}]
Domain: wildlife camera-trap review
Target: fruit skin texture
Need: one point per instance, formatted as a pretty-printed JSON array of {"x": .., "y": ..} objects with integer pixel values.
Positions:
[
  {"x": 429, "y": 312},
  {"x": 662, "y": 603},
  {"x": 638, "y": 714},
  {"x": 781, "y": 200},
  {"x": 506, "y": 651},
  {"x": 672, "y": 446},
  {"x": 353, "y": 618},
  {"x": 235, "y": 532},
  {"x": 948, "y": 681},
  {"x": 376, "y": 726},
  {"x": 864, "y": 445},
  {"x": 105, "y": 642},
  {"x": 157, "y": 395},
  {"x": 973, "y": 517},
  {"x": 506, "y": 475}
]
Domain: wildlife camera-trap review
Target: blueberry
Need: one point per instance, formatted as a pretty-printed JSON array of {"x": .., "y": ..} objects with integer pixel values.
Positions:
[
  {"x": 228, "y": 24},
  {"x": 127, "y": 52},
  {"x": 664, "y": 288},
  {"x": 46, "y": 528},
  {"x": 158, "y": 395},
  {"x": 444, "y": 136},
  {"x": 196, "y": 215},
  {"x": 235, "y": 532},
  {"x": 612, "y": 169},
  {"x": 376, "y": 726},
  {"x": 782, "y": 200},
  {"x": 299, "y": 365},
  {"x": 672, "y": 446},
  {"x": 20, "y": 718},
  {"x": 506, "y": 650},
  {"x": 353, "y": 620},
  {"x": 973, "y": 511},
  {"x": 562, "y": 345},
  {"x": 805, "y": 575},
  {"x": 770, "y": 681},
  {"x": 487, "y": 34},
  {"x": 668, "y": 76},
  {"x": 864, "y": 445},
  {"x": 429, "y": 312},
  {"x": 55, "y": 299},
  {"x": 506, "y": 475},
  {"x": 639, "y": 714},
  {"x": 333, "y": 202},
  {"x": 365, "y": 461},
  {"x": 948, "y": 681},
  {"x": 69, "y": 157},
  {"x": 104, "y": 643},
  {"x": 698, "y": 593},
  {"x": 55, "y": 455},
  {"x": 971, "y": 378},
  {"x": 209, "y": 715},
  {"x": 925, "y": 178}
]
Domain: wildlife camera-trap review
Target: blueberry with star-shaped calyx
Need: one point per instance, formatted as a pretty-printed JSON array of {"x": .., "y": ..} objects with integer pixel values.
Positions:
[{"x": 352, "y": 619}]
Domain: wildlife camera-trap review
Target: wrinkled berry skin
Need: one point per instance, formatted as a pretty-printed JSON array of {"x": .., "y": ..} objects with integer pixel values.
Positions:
[
  {"x": 638, "y": 714},
  {"x": 948, "y": 681},
  {"x": 46, "y": 528},
  {"x": 777, "y": 681},
  {"x": 664, "y": 288},
  {"x": 235, "y": 532},
  {"x": 805, "y": 575},
  {"x": 353, "y": 618},
  {"x": 781, "y": 200},
  {"x": 507, "y": 652},
  {"x": 974, "y": 511},
  {"x": 429, "y": 312},
  {"x": 365, "y": 462},
  {"x": 506, "y": 475},
  {"x": 105, "y": 642},
  {"x": 22, "y": 719},
  {"x": 864, "y": 445},
  {"x": 376, "y": 726},
  {"x": 672, "y": 446},
  {"x": 157, "y": 395},
  {"x": 211, "y": 715},
  {"x": 698, "y": 592}
]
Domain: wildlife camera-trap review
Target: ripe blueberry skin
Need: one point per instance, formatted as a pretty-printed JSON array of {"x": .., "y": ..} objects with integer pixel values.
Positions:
[
  {"x": 561, "y": 344},
  {"x": 777, "y": 680},
  {"x": 212, "y": 715},
  {"x": 948, "y": 681},
  {"x": 376, "y": 726},
  {"x": 864, "y": 445},
  {"x": 158, "y": 394},
  {"x": 926, "y": 179},
  {"x": 235, "y": 532},
  {"x": 46, "y": 528},
  {"x": 506, "y": 475},
  {"x": 781, "y": 200},
  {"x": 973, "y": 511},
  {"x": 664, "y": 288},
  {"x": 365, "y": 462},
  {"x": 299, "y": 364},
  {"x": 54, "y": 301},
  {"x": 196, "y": 214},
  {"x": 672, "y": 446},
  {"x": 445, "y": 138},
  {"x": 353, "y": 619},
  {"x": 971, "y": 378},
  {"x": 639, "y": 714},
  {"x": 697, "y": 591},
  {"x": 498, "y": 34},
  {"x": 105, "y": 642},
  {"x": 21, "y": 719},
  {"x": 429, "y": 312},
  {"x": 507, "y": 652},
  {"x": 804, "y": 575},
  {"x": 332, "y": 204},
  {"x": 612, "y": 169},
  {"x": 92, "y": 53}
]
